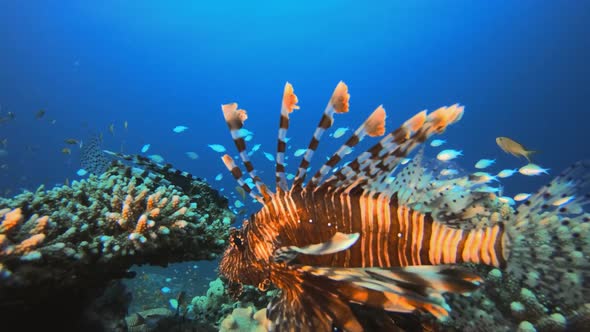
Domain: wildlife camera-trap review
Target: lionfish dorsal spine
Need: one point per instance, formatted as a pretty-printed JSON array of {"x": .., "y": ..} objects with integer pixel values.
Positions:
[
  {"x": 373, "y": 126},
  {"x": 289, "y": 104},
  {"x": 238, "y": 176},
  {"x": 380, "y": 160},
  {"x": 235, "y": 118},
  {"x": 338, "y": 104}
]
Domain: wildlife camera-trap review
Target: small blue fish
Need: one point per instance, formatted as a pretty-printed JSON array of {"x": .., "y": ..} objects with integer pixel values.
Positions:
[
  {"x": 156, "y": 158},
  {"x": 243, "y": 132},
  {"x": 449, "y": 172},
  {"x": 145, "y": 148},
  {"x": 269, "y": 156},
  {"x": 437, "y": 142},
  {"x": 81, "y": 172},
  {"x": 446, "y": 155},
  {"x": 482, "y": 177},
  {"x": 165, "y": 290},
  {"x": 507, "y": 173},
  {"x": 238, "y": 204},
  {"x": 217, "y": 147},
  {"x": 563, "y": 201},
  {"x": 299, "y": 152},
  {"x": 340, "y": 132},
  {"x": 484, "y": 163},
  {"x": 256, "y": 147},
  {"x": 192, "y": 155},
  {"x": 218, "y": 177},
  {"x": 179, "y": 129},
  {"x": 532, "y": 169},
  {"x": 506, "y": 200},
  {"x": 521, "y": 197}
]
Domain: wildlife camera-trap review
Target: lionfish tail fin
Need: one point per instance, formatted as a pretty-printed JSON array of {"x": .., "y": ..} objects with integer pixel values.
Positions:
[
  {"x": 379, "y": 161},
  {"x": 235, "y": 118},
  {"x": 338, "y": 104},
  {"x": 548, "y": 241},
  {"x": 289, "y": 104}
]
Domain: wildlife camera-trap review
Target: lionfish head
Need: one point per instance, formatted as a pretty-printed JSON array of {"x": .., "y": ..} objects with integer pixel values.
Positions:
[
  {"x": 233, "y": 265},
  {"x": 236, "y": 263}
]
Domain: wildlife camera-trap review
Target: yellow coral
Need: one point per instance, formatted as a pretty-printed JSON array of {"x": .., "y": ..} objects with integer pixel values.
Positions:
[
  {"x": 163, "y": 202},
  {"x": 155, "y": 212},
  {"x": 11, "y": 220},
  {"x": 151, "y": 202},
  {"x": 29, "y": 243},
  {"x": 41, "y": 225},
  {"x": 126, "y": 213},
  {"x": 175, "y": 201},
  {"x": 141, "y": 224},
  {"x": 141, "y": 196}
]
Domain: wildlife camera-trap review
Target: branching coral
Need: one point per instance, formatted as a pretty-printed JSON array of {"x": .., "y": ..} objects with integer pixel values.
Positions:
[{"x": 80, "y": 236}]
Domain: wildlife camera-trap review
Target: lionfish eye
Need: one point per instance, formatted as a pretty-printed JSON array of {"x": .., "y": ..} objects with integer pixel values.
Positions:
[{"x": 236, "y": 240}]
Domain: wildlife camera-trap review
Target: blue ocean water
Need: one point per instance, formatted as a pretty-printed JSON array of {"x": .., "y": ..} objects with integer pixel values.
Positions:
[{"x": 520, "y": 68}]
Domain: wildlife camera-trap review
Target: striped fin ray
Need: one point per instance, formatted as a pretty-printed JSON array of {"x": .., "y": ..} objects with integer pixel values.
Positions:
[
  {"x": 401, "y": 289},
  {"x": 381, "y": 160},
  {"x": 338, "y": 104},
  {"x": 237, "y": 174},
  {"x": 422, "y": 129},
  {"x": 357, "y": 168},
  {"x": 313, "y": 304},
  {"x": 288, "y": 105},
  {"x": 338, "y": 242},
  {"x": 373, "y": 126},
  {"x": 235, "y": 118}
]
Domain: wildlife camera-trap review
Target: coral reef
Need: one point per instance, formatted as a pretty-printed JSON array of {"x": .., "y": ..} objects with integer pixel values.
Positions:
[
  {"x": 217, "y": 304},
  {"x": 245, "y": 319},
  {"x": 66, "y": 243}
]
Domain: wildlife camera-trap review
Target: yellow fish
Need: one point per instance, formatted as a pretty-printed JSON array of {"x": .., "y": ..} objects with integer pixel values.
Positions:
[
  {"x": 66, "y": 151},
  {"x": 40, "y": 114},
  {"x": 514, "y": 148},
  {"x": 241, "y": 191},
  {"x": 71, "y": 141}
]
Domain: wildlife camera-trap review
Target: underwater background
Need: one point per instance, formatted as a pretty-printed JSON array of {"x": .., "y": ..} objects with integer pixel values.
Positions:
[{"x": 132, "y": 71}]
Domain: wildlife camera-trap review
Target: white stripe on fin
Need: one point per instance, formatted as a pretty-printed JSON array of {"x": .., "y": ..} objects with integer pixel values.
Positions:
[{"x": 336, "y": 243}]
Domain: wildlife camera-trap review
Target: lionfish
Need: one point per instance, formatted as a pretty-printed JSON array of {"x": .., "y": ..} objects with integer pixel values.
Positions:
[{"x": 362, "y": 238}]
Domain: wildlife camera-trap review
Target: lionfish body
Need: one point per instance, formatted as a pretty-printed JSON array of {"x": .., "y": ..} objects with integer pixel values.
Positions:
[{"x": 357, "y": 237}]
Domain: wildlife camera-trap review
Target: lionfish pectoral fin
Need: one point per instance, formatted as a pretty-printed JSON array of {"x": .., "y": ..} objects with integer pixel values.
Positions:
[
  {"x": 402, "y": 289},
  {"x": 310, "y": 303},
  {"x": 338, "y": 242}
]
